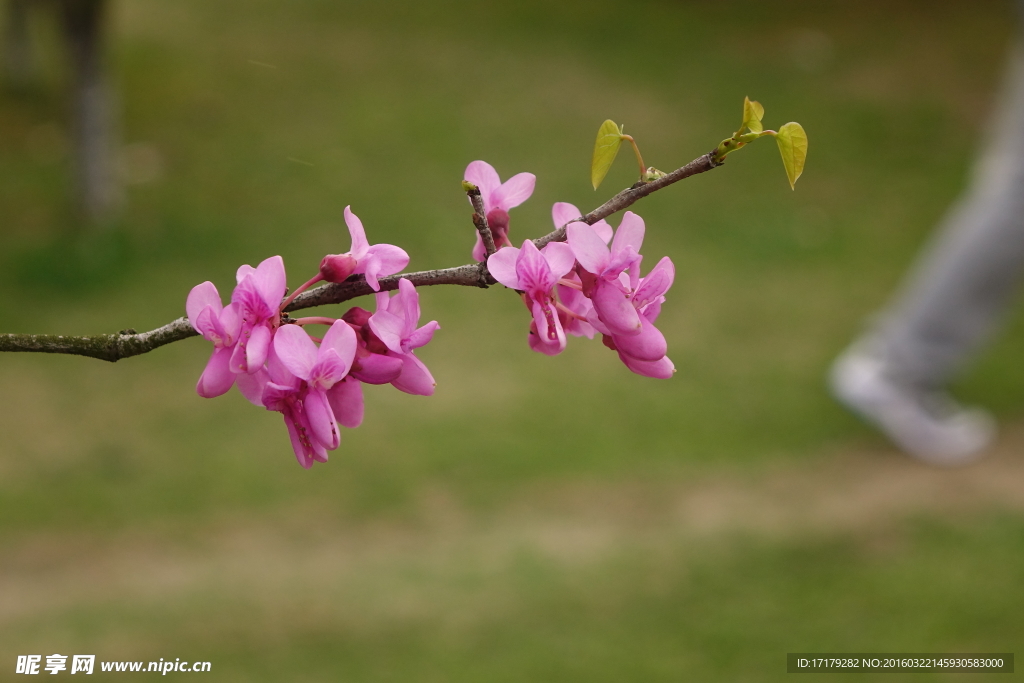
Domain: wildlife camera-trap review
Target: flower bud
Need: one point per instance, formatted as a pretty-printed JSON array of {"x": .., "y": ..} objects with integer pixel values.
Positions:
[
  {"x": 497, "y": 221},
  {"x": 337, "y": 267},
  {"x": 356, "y": 316}
]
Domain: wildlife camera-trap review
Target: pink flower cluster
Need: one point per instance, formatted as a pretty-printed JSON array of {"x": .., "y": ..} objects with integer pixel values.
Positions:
[
  {"x": 587, "y": 285},
  {"x": 316, "y": 384},
  {"x": 581, "y": 287}
]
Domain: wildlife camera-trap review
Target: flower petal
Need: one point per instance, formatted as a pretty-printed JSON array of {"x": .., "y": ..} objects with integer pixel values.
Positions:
[
  {"x": 295, "y": 350},
  {"x": 627, "y": 257},
  {"x": 615, "y": 309},
  {"x": 603, "y": 230},
  {"x": 479, "y": 250},
  {"x": 630, "y": 233},
  {"x": 375, "y": 368},
  {"x": 369, "y": 266},
  {"x": 659, "y": 369},
  {"x": 483, "y": 175},
  {"x": 546, "y": 333},
  {"x": 242, "y": 272},
  {"x": 657, "y": 282},
  {"x": 649, "y": 345},
  {"x": 206, "y": 324},
  {"x": 415, "y": 378},
  {"x": 328, "y": 370},
  {"x": 513, "y": 192},
  {"x": 217, "y": 378},
  {"x": 559, "y": 257},
  {"x": 201, "y": 296},
  {"x": 257, "y": 348},
  {"x": 278, "y": 373},
  {"x": 587, "y": 247},
  {"x": 299, "y": 438},
  {"x": 270, "y": 281},
  {"x": 533, "y": 270},
  {"x": 563, "y": 213},
  {"x": 502, "y": 265},
  {"x": 230, "y": 324},
  {"x": 346, "y": 398},
  {"x": 595, "y": 321},
  {"x": 321, "y": 419},
  {"x": 422, "y": 336},
  {"x": 409, "y": 300},
  {"x": 342, "y": 338},
  {"x": 358, "y": 234},
  {"x": 388, "y": 327},
  {"x": 392, "y": 259},
  {"x": 252, "y": 386}
]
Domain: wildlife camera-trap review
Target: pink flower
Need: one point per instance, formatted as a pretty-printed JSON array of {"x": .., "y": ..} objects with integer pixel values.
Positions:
[
  {"x": 394, "y": 324},
  {"x": 284, "y": 394},
  {"x": 372, "y": 364},
  {"x": 644, "y": 353},
  {"x": 373, "y": 261},
  {"x": 609, "y": 292},
  {"x": 220, "y": 325},
  {"x": 498, "y": 199},
  {"x": 576, "y": 307},
  {"x": 320, "y": 370},
  {"x": 535, "y": 272},
  {"x": 258, "y": 298}
]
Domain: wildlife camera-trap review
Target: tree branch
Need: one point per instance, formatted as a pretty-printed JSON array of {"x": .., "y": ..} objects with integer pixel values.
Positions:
[
  {"x": 127, "y": 343},
  {"x": 631, "y": 195},
  {"x": 480, "y": 218}
]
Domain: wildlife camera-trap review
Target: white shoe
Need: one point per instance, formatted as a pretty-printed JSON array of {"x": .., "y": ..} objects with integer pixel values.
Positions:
[{"x": 931, "y": 426}]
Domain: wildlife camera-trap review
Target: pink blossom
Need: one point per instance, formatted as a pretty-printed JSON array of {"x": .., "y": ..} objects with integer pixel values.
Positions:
[
  {"x": 535, "y": 272},
  {"x": 284, "y": 393},
  {"x": 372, "y": 364},
  {"x": 609, "y": 289},
  {"x": 319, "y": 369},
  {"x": 395, "y": 324},
  {"x": 644, "y": 353},
  {"x": 220, "y": 325},
  {"x": 372, "y": 260},
  {"x": 258, "y": 297},
  {"x": 498, "y": 199}
]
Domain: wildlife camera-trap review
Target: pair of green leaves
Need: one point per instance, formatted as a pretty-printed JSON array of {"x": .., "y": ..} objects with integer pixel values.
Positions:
[{"x": 791, "y": 138}]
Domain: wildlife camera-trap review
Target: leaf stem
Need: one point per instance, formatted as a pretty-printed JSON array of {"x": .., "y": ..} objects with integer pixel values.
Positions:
[{"x": 636, "y": 150}]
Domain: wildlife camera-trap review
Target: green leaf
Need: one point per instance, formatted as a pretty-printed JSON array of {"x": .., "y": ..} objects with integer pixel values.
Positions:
[
  {"x": 753, "y": 112},
  {"x": 793, "y": 145},
  {"x": 609, "y": 139}
]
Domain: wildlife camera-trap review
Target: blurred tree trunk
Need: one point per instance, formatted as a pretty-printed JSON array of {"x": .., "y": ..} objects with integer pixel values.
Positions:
[
  {"x": 19, "y": 61},
  {"x": 92, "y": 109}
]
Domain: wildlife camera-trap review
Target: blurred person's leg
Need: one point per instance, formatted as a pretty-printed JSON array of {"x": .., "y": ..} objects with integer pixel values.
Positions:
[{"x": 949, "y": 306}]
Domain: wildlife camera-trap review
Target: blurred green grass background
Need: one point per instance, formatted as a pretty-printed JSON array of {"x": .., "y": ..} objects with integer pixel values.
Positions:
[{"x": 453, "y": 538}]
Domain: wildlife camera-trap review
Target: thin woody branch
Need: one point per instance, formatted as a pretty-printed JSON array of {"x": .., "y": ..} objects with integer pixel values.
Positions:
[
  {"x": 480, "y": 217},
  {"x": 630, "y": 196},
  {"x": 128, "y": 343}
]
